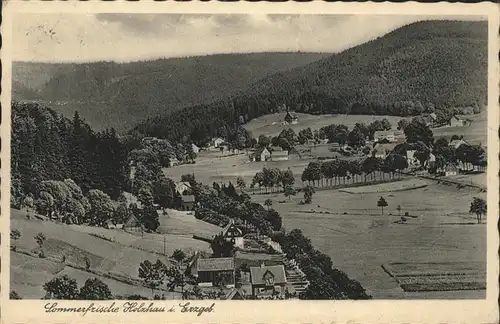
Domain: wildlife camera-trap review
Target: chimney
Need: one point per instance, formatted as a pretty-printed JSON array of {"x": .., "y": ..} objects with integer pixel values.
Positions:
[{"x": 262, "y": 265}]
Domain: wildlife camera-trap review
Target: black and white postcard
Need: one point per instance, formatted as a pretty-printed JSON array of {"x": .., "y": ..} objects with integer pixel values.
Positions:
[{"x": 242, "y": 163}]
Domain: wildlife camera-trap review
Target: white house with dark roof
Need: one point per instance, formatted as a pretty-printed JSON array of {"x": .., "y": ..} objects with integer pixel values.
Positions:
[
  {"x": 233, "y": 234},
  {"x": 268, "y": 280}
]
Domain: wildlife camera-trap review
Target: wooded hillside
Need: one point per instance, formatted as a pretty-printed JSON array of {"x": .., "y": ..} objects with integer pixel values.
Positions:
[
  {"x": 418, "y": 68},
  {"x": 109, "y": 94}
]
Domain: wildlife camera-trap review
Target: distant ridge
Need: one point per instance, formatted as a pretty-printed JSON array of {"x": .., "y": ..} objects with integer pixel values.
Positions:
[
  {"x": 109, "y": 94},
  {"x": 419, "y": 67}
]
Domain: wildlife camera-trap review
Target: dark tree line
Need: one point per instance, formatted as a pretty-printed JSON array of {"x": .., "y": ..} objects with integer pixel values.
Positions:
[{"x": 45, "y": 146}]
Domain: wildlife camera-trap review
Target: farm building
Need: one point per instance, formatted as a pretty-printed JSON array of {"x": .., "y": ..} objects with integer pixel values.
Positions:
[
  {"x": 260, "y": 155},
  {"x": 233, "y": 234},
  {"x": 195, "y": 148},
  {"x": 216, "y": 142},
  {"x": 133, "y": 225},
  {"x": 382, "y": 150},
  {"x": 291, "y": 118},
  {"x": 448, "y": 170},
  {"x": 183, "y": 187},
  {"x": 188, "y": 202},
  {"x": 459, "y": 121},
  {"x": 268, "y": 280},
  {"x": 335, "y": 147},
  {"x": 431, "y": 160},
  {"x": 410, "y": 157},
  {"x": 173, "y": 161},
  {"x": 391, "y": 135},
  {"x": 214, "y": 272},
  {"x": 430, "y": 119},
  {"x": 278, "y": 154},
  {"x": 457, "y": 142}
]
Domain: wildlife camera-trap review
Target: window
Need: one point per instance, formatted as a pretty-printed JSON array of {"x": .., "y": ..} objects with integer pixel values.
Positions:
[{"x": 269, "y": 281}]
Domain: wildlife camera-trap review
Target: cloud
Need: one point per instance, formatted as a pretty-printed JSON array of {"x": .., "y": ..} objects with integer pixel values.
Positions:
[{"x": 127, "y": 37}]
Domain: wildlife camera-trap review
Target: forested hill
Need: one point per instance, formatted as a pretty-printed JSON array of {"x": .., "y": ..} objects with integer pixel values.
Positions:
[
  {"x": 109, "y": 94},
  {"x": 419, "y": 67}
]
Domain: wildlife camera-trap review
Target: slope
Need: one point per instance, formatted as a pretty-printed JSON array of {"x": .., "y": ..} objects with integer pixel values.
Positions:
[
  {"x": 422, "y": 66},
  {"x": 109, "y": 94}
]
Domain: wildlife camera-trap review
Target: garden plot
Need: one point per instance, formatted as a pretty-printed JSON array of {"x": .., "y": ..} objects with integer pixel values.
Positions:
[{"x": 447, "y": 276}]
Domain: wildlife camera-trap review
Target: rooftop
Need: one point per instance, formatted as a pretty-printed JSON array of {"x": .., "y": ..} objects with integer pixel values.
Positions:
[
  {"x": 215, "y": 264},
  {"x": 257, "y": 274}
]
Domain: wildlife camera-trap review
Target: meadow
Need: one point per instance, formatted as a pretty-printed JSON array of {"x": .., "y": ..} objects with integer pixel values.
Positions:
[
  {"x": 112, "y": 254},
  {"x": 360, "y": 240},
  {"x": 270, "y": 125}
]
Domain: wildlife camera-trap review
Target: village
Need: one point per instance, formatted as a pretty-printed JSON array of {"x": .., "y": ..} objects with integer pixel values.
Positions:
[{"x": 248, "y": 261}]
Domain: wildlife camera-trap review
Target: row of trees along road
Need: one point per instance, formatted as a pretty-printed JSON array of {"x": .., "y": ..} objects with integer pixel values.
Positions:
[{"x": 336, "y": 172}]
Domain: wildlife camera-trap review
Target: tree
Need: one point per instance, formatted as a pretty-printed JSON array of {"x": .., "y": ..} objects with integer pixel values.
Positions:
[
  {"x": 62, "y": 287},
  {"x": 14, "y": 295},
  {"x": 240, "y": 183},
  {"x": 312, "y": 172},
  {"x": 305, "y": 135},
  {"x": 402, "y": 124},
  {"x": 386, "y": 125},
  {"x": 286, "y": 178},
  {"x": 418, "y": 131},
  {"x": 308, "y": 193},
  {"x": 40, "y": 239},
  {"x": 101, "y": 207},
  {"x": 478, "y": 206},
  {"x": 289, "y": 191},
  {"x": 221, "y": 248},
  {"x": 356, "y": 138},
  {"x": 95, "y": 289},
  {"x": 152, "y": 274},
  {"x": 149, "y": 218},
  {"x": 264, "y": 141},
  {"x": 15, "y": 234},
  {"x": 382, "y": 203},
  {"x": 178, "y": 255},
  {"x": 268, "y": 203},
  {"x": 274, "y": 218}
]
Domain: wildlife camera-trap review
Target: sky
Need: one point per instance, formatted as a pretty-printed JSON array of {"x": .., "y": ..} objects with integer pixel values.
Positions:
[{"x": 132, "y": 37}]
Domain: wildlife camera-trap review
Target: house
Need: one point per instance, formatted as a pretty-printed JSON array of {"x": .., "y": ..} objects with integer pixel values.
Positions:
[
  {"x": 111, "y": 225},
  {"x": 183, "y": 187},
  {"x": 214, "y": 272},
  {"x": 133, "y": 225},
  {"x": 216, "y": 142},
  {"x": 195, "y": 148},
  {"x": 188, "y": 202},
  {"x": 431, "y": 161},
  {"x": 382, "y": 150},
  {"x": 383, "y": 135},
  {"x": 335, "y": 147},
  {"x": 261, "y": 154},
  {"x": 234, "y": 294},
  {"x": 399, "y": 136},
  {"x": 456, "y": 121},
  {"x": 294, "y": 154},
  {"x": 278, "y": 154},
  {"x": 291, "y": 118},
  {"x": 457, "y": 142},
  {"x": 268, "y": 280},
  {"x": 430, "y": 119},
  {"x": 173, "y": 161},
  {"x": 410, "y": 157},
  {"x": 233, "y": 234},
  {"x": 449, "y": 169}
]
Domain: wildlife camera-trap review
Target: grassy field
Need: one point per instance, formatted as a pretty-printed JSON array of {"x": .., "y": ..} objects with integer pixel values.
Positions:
[
  {"x": 476, "y": 133},
  {"x": 210, "y": 168},
  {"x": 109, "y": 251},
  {"x": 270, "y": 125},
  {"x": 352, "y": 231}
]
